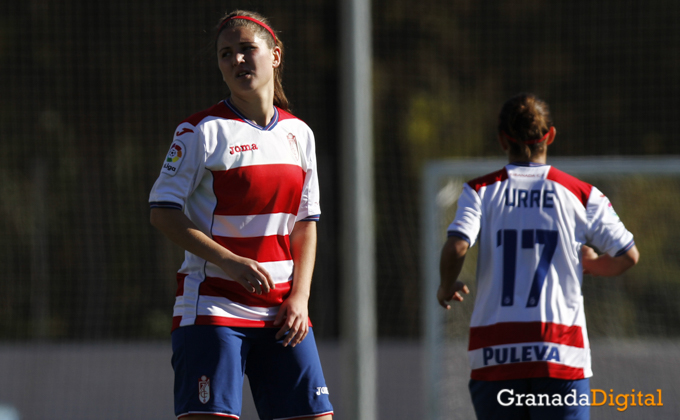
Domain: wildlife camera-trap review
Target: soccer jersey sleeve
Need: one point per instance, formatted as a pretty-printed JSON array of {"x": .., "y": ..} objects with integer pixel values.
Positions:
[
  {"x": 310, "y": 208},
  {"x": 179, "y": 174},
  {"x": 468, "y": 218},
  {"x": 606, "y": 231}
]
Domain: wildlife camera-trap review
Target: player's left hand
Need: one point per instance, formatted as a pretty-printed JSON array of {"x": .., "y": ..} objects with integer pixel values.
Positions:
[
  {"x": 294, "y": 320},
  {"x": 588, "y": 258},
  {"x": 444, "y": 296}
]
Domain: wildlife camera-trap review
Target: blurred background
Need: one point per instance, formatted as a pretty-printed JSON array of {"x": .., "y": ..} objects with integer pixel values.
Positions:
[{"x": 90, "y": 93}]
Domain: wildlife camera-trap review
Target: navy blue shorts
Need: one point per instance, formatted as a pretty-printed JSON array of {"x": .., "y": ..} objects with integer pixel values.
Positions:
[
  {"x": 210, "y": 361},
  {"x": 509, "y": 400}
]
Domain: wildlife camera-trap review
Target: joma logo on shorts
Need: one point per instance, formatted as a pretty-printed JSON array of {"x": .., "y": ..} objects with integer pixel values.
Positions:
[
  {"x": 321, "y": 390},
  {"x": 242, "y": 148}
]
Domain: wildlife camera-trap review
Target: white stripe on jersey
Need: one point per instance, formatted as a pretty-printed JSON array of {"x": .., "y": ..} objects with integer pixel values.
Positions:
[
  {"x": 221, "y": 306},
  {"x": 253, "y": 225},
  {"x": 280, "y": 271}
]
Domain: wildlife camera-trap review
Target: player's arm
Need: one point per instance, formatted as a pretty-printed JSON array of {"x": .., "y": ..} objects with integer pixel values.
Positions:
[
  {"x": 293, "y": 313},
  {"x": 450, "y": 265},
  {"x": 606, "y": 265},
  {"x": 182, "y": 231}
]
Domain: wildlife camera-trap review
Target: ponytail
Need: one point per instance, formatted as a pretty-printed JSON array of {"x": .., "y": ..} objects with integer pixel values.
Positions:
[{"x": 525, "y": 122}]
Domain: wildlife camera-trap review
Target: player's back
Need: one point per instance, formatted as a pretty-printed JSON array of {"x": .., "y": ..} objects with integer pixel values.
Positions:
[
  {"x": 528, "y": 321},
  {"x": 533, "y": 222}
]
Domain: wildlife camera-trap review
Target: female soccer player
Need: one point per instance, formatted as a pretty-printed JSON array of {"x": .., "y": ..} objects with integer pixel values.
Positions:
[
  {"x": 239, "y": 192},
  {"x": 528, "y": 347}
]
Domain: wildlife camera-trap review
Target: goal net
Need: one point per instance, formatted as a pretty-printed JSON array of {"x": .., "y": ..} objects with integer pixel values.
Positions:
[{"x": 633, "y": 319}]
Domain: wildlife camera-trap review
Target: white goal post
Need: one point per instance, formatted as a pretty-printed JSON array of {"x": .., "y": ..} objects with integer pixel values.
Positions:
[{"x": 435, "y": 197}]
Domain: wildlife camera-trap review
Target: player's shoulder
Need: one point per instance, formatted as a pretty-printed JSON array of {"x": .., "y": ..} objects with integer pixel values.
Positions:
[
  {"x": 220, "y": 111},
  {"x": 580, "y": 189},
  {"x": 286, "y": 117},
  {"x": 488, "y": 179},
  {"x": 294, "y": 125}
]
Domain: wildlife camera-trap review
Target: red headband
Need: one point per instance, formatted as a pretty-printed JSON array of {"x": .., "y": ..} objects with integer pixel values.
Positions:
[
  {"x": 541, "y": 140},
  {"x": 264, "y": 25}
]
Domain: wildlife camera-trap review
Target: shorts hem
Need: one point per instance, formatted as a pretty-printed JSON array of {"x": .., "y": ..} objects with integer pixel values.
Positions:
[
  {"x": 231, "y": 416},
  {"x": 305, "y": 415}
]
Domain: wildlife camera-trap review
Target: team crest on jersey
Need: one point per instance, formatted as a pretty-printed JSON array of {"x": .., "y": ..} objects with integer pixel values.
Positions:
[
  {"x": 174, "y": 158},
  {"x": 204, "y": 389},
  {"x": 292, "y": 141}
]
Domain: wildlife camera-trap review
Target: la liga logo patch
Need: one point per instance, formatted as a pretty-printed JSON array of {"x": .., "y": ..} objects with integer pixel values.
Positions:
[
  {"x": 174, "y": 158},
  {"x": 175, "y": 153}
]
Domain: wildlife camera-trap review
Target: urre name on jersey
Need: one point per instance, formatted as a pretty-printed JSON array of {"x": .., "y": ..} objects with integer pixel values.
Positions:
[{"x": 517, "y": 197}]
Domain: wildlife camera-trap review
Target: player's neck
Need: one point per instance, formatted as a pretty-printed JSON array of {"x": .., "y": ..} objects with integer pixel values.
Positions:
[
  {"x": 540, "y": 159},
  {"x": 259, "y": 109}
]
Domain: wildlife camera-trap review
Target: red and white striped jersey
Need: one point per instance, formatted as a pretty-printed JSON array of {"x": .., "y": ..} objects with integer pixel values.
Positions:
[
  {"x": 531, "y": 221},
  {"x": 245, "y": 186}
]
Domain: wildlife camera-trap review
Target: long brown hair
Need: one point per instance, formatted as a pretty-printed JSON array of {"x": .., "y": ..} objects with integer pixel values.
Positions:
[
  {"x": 525, "y": 117},
  {"x": 280, "y": 99}
]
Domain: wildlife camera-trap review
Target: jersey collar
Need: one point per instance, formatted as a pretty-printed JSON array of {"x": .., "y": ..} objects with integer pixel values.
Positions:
[
  {"x": 268, "y": 127},
  {"x": 528, "y": 164}
]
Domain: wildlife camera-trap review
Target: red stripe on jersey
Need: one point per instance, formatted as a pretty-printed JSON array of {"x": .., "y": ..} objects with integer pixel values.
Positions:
[
  {"x": 579, "y": 188},
  {"x": 236, "y": 322},
  {"x": 175, "y": 322},
  {"x": 527, "y": 370},
  {"x": 219, "y": 110},
  {"x": 223, "y": 321},
  {"x": 215, "y": 286},
  {"x": 258, "y": 248},
  {"x": 258, "y": 189},
  {"x": 231, "y": 322},
  {"x": 483, "y": 181},
  {"x": 525, "y": 332},
  {"x": 226, "y": 322},
  {"x": 180, "y": 284}
]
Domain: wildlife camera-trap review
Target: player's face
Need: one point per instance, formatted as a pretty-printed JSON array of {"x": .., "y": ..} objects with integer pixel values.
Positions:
[{"x": 246, "y": 61}]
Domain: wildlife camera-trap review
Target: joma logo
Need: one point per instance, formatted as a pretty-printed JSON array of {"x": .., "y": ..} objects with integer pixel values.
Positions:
[{"x": 242, "y": 148}]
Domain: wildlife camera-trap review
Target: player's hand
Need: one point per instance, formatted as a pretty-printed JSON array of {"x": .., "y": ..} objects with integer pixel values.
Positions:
[
  {"x": 444, "y": 296},
  {"x": 588, "y": 257},
  {"x": 250, "y": 274},
  {"x": 294, "y": 320}
]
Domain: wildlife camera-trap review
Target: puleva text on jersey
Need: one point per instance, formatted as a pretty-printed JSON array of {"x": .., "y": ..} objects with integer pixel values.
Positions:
[{"x": 534, "y": 353}]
